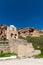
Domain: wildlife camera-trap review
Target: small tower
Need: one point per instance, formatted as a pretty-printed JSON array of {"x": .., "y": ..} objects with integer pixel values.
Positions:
[{"x": 12, "y": 32}]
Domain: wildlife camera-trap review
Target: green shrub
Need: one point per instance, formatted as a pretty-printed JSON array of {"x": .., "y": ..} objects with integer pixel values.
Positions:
[
  {"x": 8, "y": 54},
  {"x": 39, "y": 56}
]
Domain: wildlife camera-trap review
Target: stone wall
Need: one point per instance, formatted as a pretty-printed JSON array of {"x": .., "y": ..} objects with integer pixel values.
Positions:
[
  {"x": 12, "y": 32},
  {"x": 8, "y": 32},
  {"x": 4, "y": 47}
]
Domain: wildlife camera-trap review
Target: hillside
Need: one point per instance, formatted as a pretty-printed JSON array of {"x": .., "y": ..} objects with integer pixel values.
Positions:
[
  {"x": 36, "y": 41},
  {"x": 29, "y": 32}
]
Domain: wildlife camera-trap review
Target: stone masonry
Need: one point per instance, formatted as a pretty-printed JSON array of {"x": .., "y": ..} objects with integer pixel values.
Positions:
[
  {"x": 4, "y": 47},
  {"x": 8, "y": 32}
]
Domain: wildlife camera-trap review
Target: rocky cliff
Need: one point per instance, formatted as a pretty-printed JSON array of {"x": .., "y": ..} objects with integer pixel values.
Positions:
[
  {"x": 3, "y": 29},
  {"x": 8, "y": 32},
  {"x": 31, "y": 32}
]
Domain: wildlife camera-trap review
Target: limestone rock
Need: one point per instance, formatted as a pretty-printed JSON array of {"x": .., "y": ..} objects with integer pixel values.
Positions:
[
  {"x": 28, "y": 32},
  {"x": 3, "y": 29},
  {"x": 36, "y": 52},
  {"x": 23, "y": 48}
]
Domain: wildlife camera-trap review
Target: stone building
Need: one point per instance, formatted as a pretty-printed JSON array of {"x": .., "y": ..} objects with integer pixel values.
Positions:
[
  {"x": 8, "y": 32},
  {"x": 12, "y": 32}
]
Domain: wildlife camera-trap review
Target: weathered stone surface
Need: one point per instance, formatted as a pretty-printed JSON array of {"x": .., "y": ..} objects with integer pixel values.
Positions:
[
  {"x": 4, "y": 47},
  {"x": 3, "y": 29},
  {"x": 23, "y": 48},
  {"x": 12, "y": 32},
  {"x": 15, "y": 45},
  {"x": 18, "y": 46},
  {"x": 24, "y": 32},
  {"x": 36, "y": 52},
  {"x": 8, "y": 32}
]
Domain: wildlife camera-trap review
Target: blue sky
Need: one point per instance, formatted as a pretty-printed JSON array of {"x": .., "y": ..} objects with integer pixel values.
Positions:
[{"x": 22, "y": 13}]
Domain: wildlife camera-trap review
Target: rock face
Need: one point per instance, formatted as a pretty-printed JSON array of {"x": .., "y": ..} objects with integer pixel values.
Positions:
[
  {"x": 25, "y": 32},
  {"x": 3, "y": 30},
  {"x": 41, "y": 32},
  {"x": 11, "y": 32},
  {"x": 18, "y": 46},
  {"x": 23, "y": 48}
]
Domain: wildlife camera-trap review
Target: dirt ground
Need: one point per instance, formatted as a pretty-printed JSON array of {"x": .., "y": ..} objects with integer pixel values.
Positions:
[{"x": 26, "y": 61}]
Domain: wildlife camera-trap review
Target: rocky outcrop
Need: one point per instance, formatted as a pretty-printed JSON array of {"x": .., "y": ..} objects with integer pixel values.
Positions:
[
  {"x": 25, "y": 32},
  {"x": 11, "y": 32},
  {"x": 3, "y": 30},
  {"x": 23, "y": 48},
  {"x": 4, "y": 47},
  {"x": 41, "y": 32}
]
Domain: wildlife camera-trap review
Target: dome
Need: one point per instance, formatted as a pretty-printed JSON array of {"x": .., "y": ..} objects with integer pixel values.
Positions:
[{"x": 12, "y": 27}]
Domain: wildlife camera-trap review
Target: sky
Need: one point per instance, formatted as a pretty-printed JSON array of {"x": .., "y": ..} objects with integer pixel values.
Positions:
[{"x": 22, "y": 13}]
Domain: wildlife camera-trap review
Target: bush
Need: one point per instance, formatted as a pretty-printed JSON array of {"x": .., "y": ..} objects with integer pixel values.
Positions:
[
  {"x": 7, "y": 54},
  {"x": 36, "y": 41},
  {"x": 39, "y": 56}
]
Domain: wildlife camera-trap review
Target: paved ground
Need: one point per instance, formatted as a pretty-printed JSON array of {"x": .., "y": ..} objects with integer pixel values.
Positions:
[{"x": 22, "y": 62}]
